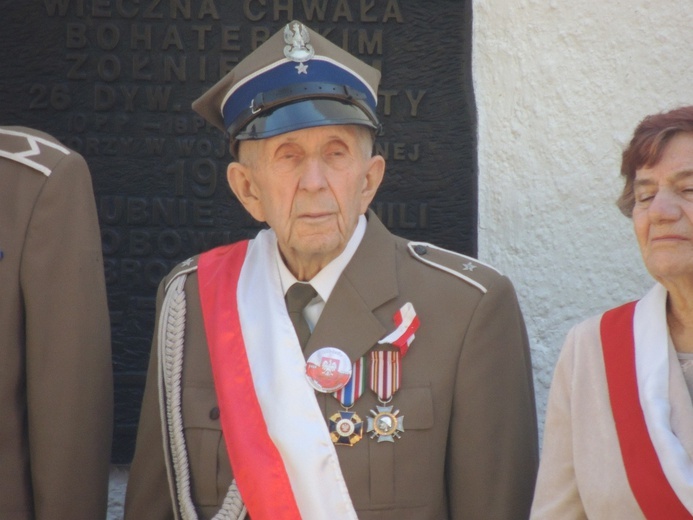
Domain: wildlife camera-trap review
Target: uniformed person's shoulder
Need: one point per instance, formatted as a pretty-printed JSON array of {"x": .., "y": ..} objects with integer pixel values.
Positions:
[
  {"x": 39, "y": 151},
  {"x": 465, "y": 268},
  {"x": 182, "y": 269}
]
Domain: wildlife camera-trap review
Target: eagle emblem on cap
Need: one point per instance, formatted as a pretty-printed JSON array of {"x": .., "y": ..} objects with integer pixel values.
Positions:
[{"x": 297, "y": 39}]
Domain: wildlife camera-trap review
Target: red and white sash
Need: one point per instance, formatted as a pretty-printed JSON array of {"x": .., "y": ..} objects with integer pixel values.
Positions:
[
  {"x": 283, "y": 459},
  {"x": 635, "y": 341}
]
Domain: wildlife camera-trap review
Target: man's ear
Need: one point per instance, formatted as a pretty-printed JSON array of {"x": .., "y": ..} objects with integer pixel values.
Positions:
[
  {"x": 372, "y": 180},
  {"x": 240, "y": 180}
]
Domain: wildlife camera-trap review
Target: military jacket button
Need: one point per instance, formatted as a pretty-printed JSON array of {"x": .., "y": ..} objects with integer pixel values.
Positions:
[{"x": 214, "y": 413}]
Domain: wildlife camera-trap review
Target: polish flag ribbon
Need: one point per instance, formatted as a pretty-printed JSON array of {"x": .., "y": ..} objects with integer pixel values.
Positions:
[{"x": 407, "y": 323}]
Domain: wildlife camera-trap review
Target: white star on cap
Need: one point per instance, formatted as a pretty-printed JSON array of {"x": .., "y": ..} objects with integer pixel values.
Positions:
[
  {"x": 302, "y": 68},
  {"x": 468, "y": 266},
  {"x": 187, "y": 262}
]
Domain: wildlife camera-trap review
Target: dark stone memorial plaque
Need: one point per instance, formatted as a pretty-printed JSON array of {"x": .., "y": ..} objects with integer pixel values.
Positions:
[{"x": 114, "y": 80}]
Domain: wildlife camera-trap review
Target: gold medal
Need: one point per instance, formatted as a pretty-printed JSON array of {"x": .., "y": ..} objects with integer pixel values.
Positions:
[{"x": 346, "y": 428}]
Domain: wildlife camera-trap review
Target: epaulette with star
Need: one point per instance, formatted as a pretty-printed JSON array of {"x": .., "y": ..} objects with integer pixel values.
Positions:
[
  {"x": 463, "y": 267},
  {"x": 183, "y": 268}
]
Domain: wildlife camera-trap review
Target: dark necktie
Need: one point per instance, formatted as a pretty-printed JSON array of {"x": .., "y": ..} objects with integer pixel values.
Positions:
[{"x": 297, "y": 297}]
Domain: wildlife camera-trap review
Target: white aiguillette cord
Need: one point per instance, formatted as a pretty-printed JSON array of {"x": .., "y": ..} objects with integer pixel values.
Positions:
[{"x": 171, "y": 344}]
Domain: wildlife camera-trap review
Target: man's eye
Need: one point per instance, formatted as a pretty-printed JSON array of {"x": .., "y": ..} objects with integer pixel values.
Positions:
[{"x": 337, "y": 152}]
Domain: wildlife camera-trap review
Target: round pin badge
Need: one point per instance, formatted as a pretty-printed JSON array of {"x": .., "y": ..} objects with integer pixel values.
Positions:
[{"x": 328, "y": 369}]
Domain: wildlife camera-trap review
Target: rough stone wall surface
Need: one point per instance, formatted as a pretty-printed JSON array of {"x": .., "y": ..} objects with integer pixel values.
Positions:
[{"x": 559, "y": 88}]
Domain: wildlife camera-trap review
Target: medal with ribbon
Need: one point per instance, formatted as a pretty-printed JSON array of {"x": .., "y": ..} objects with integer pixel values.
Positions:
[
  {"x": 386, "y": 374},
  {"x": 329, "y": 370},
  {"x": 384, "y": 380},
  {"x": 346, "y": 427}
]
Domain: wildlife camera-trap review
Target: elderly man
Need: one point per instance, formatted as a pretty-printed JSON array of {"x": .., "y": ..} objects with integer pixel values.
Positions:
[
  {"x": 326, "y": 368},
  {"x": 56, "y": 391}
]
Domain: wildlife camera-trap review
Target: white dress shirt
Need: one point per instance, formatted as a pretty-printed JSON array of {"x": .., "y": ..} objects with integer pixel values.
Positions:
[{"x": 326, "y": 279}]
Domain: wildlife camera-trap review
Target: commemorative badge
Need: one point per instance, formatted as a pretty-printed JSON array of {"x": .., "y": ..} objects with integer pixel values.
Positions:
[{"x": 328, "y": 369}]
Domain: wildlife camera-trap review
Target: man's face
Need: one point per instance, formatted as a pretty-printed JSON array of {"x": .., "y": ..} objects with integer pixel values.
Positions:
[{"x": 310, "y": 186}]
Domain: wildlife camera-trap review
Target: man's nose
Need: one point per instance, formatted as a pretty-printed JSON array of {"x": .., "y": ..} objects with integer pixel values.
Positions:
[{"x": 313, "y": 176}]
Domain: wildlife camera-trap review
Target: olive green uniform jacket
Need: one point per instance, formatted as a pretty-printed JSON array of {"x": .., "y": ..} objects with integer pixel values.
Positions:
[
  {"x": 469, "y": 449},
  {"x": 56, "y": 396}
]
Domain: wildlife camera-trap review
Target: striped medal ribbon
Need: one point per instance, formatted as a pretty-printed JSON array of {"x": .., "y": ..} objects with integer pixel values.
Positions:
[
  {"x": 386, "y": 371},
  {"x": 354, "y": 389}
]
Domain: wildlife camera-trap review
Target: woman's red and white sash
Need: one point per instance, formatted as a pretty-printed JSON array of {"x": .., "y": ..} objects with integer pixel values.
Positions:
[
  {"x": 284, "y": 462},
  {"x": 635, "y": 342}
]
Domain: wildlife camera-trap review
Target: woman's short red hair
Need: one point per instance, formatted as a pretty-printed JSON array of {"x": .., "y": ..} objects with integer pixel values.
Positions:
[{"x": 646, "y": 148}]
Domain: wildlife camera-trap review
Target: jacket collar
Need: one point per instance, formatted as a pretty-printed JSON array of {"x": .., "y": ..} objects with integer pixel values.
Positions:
[{"x": 368, "y": 281}]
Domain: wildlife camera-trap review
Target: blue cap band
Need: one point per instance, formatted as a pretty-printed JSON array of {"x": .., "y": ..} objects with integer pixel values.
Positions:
[{"x": 290, "y": 74}]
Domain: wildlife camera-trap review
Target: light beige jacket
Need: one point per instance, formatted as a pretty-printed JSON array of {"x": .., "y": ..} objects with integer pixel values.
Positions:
[{"x": 581, "y": 473}]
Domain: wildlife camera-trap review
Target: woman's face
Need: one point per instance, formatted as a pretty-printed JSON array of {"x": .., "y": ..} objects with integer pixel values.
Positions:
[{"x": 663, "y": 212}]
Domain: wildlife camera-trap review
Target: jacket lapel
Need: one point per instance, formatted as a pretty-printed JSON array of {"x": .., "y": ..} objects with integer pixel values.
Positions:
[{"x": 348, "y": 321}]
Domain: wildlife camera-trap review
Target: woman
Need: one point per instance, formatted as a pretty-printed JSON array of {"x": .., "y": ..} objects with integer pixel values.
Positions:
[{"x": 618, "y": 438}]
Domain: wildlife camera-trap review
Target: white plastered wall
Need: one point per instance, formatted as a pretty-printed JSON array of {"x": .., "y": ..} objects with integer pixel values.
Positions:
[{"x": 560, "y": 86}]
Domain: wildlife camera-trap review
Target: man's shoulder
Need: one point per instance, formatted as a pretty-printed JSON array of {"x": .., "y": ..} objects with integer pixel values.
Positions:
[
  {"x": 37, "y": 150},
  {"x": 191, "y": 265},
  {"x": 184, "y": 268},
  {"x": 438, "y": 261},
  {"x": 464, "y": 268}
]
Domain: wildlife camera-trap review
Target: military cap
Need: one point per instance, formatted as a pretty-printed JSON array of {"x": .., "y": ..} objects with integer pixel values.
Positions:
[{"x": 296, "y": 79}]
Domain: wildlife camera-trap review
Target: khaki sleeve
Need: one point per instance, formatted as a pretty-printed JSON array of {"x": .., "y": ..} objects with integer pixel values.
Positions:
[
  {"x": 493, "y": 447},
  {"x": 68, "y": 353}
]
